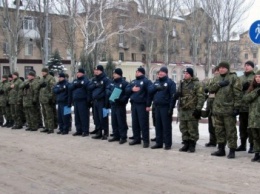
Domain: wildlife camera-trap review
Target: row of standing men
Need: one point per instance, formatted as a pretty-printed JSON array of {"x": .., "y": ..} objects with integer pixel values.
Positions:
[{"x": 226, "y": 89}]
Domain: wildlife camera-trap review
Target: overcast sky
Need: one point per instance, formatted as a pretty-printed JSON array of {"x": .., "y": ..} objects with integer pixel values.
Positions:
[{"x": 253, "y": 15}]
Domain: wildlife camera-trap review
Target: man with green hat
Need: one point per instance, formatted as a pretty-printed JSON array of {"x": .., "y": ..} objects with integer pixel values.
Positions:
[
  {"x": 30, "y": 93},
  {"x": 228, "y": 94},
  {"x": 47, "y": 83}
]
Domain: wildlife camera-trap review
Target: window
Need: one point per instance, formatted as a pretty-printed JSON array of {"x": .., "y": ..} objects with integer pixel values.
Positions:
[
  {"x": 143, "y": 57},
  {"x": 6, "y": 70},
  {"x": 29, "y": 49},
  {"x": 5, "y": 48},
  {"x": 121, "y": 56},
  {"x": 246, "y": 56},
  {"x": 254, "y": 55},
  {"x": 133, "y": 57},
  {"x": 174, "y": 76},
  {"x": 27, "y": 69},
  {"x": 29, "y": 23},
  {"x": 121, "y": 38}
]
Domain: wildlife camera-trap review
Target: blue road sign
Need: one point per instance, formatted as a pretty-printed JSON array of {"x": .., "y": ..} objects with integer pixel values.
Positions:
[{"x": 254, "y": 32}]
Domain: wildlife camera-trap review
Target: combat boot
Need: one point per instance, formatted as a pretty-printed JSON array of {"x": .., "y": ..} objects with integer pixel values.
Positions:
[
  {"x": 221, "y": 151},
  {"x": 105, "y": 136},
  {"x": 255, "y": 158},
  {"x": 251, "y": 149},
  {"x": 135, "y": 142},
  {"x": 50, "y": 131},
  {"x": 94, "y": 132},
  {"x": 45, "y": 131},
  {"x": 185, "y": 147},
  {"x": 98, "y": 135},
  {"x": 114, "y": 139},
  {"x": 242, "y": 147},
  {"x": 11, "y": 123},
  {"x": 192, "y": 146},
  {"x": 231, "y": 154}
]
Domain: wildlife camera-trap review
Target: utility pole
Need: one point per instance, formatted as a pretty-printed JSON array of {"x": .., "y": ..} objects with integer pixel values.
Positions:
[{"x": 46, "y": 37}]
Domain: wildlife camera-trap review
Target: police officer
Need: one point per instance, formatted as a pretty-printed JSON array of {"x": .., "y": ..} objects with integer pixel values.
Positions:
[
  {"x": 61, "y": 92},
  {"x": 13, "y": 101},
  {"x": 80, "y": 98},
  {"x": 228, "y": 93},
  {"x": 118, "y": 108},
  {"x": 163, "y": 91},
  {"x": 30, "y": 92},
  {"x": 47, "y": 83},
  {"x": 244, "y": 131},
  {"x": 99, "y": 88},
  {"x": 140, "y": 107}
]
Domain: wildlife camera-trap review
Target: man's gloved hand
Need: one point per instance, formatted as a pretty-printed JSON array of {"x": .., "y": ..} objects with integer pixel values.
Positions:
[
  {"x": 159, "y": 87},
  {"x": 206, "y": 90},
  {"x": 223, "y": 83},
  {"x": 62, "y": 89},
  {"x": 258, "y": 92},
  {"x": 99, "y": 84},
  {"x": 1, "y": 92},
  {"x": 50, "y": 102},
  {"x": 246, "y": 86},
  {"x": 235, "y": 112},
  {"x": 69, "y": 105},
  {"x": 43, "y": 85},
  {"x": 27, "y": 86},
  {"x": 177, "y": 95},
  {"x": 196, "y": 113},
  {"x": 7, "y": 104},
  {"x": 78, "y": 85}
]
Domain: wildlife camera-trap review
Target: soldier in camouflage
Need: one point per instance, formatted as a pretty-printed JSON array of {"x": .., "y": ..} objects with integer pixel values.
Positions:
[
  {"x": 191, "y": 100},
  {"x": 244, "y": 132},
  {"x": 30, "y": 93},
  {"x": 252, "y": 97},
  {"x": 4, "y": 85},
  {"x": 228, "y": 93},
  {"x": 13, "y": 101},
  {"x": 47, "y": 83}
]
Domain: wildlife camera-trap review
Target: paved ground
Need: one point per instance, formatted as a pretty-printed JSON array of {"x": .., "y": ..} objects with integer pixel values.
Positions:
[{"x": 32, "y": 162}]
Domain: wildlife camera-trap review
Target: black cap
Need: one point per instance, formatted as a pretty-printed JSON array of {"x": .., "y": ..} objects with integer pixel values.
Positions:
[
  {"x": 100, "y": 68},
  {"x": 251, "y": 63},
  {"x": 164, "y": 69},
  {"x": 62, "y": 75},
  {"x": 118, "y": 71},
  {"x": 189, "y": 71},
  {"x": 81, "y": 70},
  {"x": 141, "y": 69}
]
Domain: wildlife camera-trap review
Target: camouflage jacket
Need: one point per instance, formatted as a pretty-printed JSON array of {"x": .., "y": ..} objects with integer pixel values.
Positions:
[
  {"x": 227, "y": 98},
  {"x": 30, "y": 93},
  {"x": 253, "y": 99},
  {"x": 13, "y": 92},
  {"x": 191, "y": 97},
  {"x": 243, "y": 79},
  {"x": 46, "y": 93},
  {"x": 4, "y": 92}
]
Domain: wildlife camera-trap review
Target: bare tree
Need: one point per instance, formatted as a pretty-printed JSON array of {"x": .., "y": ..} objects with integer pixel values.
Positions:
[
  {"x": 225, "y": 16},
  {"x": 12, "y": 25}
]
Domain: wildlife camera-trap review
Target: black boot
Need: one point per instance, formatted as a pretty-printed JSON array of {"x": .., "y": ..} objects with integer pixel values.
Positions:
[
  {"x": 231, "y": 154},
  {"x": 105, "y": 136},
  {"x": 221, "y": 151},
  {"x": 11, "y": 123},
  {"x": 45, "y": 131},
  {"x": 242, "y": 147},
  {"x": 192, "y": 146},
  {"x": 94, "y": 132},
  {"x": 251, "y": 148},
  {"x": 210, "y": 144},
  {"x": 185, "y": 147},
  {"x": 255, "y": 158},
  {"x": 98, "y": 135},
  {"x": 114, "y": 139}
]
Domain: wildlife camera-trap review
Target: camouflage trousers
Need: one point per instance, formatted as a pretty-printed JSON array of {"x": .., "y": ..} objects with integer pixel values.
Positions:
[
  {"x": 2, "y": 114},
  {"x": 16, "y": 112},
  {"x": 32, "y": 120},
  {"x": 47, "y": 111},
  {"x": 225, "y": 128},
  {"x": 39, "y": 114},
  {"x": 189, "y": 130},
  {"x": 244, "y": 132},
  {"x": 8, "y": 115},
  {"x": 256, "y": 139}
]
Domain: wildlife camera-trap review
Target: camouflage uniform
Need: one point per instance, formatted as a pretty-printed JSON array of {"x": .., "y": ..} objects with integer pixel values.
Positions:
[
  {"x": 30, "y": 90},
  {"x": 46, "y": 99},
  {"x": 191, "y": 98},
  {"x": 14, "y": 104},
  {"x": 4, "y": 85},
  {"x": 245, "y": 132},
  {"x": 38, "y": 106},
  {"x": 225, "y": 109},
  {"x": 253, "y": 99}
]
